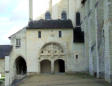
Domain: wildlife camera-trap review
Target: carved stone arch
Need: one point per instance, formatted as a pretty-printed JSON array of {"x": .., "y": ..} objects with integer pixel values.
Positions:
[
  {"x": 59, "y": 59},
  {"x": 51, "y": 49},
  {"x": 44, "y": 59}
]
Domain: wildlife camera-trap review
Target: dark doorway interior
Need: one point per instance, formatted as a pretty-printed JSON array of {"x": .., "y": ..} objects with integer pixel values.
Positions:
[
  {"x": 21, "y": 67},
  {"x": 59, "y": 66}
]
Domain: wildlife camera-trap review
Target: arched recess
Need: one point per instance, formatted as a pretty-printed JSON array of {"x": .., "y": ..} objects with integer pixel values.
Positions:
[
  {"x": 21, "y": 66},
  {"x": 78, "y": 19},
  {"x": 59, "y": 66},
  {"x": 45, "y": 66},
  {"x": 52, "y": 49},
  {"x": 47, "y": 16},
  {"x": 64, "y": 15}
]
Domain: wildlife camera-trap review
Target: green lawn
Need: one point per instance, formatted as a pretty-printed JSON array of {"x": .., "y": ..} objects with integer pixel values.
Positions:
[{"x": 2, "y": 80}]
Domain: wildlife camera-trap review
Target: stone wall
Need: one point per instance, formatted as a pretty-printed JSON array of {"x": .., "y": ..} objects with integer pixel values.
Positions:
[
  {"x": 31, "y": 47},
  {"x": 110, "y": 32},
  {"x": 17, "y": 51},
  {"x": 98, "y": 33},
  {"x": 2, "y": 66},
  {"x": 51, "y": 36}
]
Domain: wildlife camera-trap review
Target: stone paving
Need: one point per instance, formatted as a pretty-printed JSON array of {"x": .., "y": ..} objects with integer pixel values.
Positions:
[{"x": 62, "y": 80}]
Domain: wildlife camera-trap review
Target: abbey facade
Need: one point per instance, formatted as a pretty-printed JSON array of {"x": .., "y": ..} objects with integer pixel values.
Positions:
[{"x": 63, "y": 36}]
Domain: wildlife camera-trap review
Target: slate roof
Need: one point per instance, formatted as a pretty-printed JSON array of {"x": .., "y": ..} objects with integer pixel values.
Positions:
[
  {"x": 43, "y": 24},
  {"x": 5, "y": 50}
]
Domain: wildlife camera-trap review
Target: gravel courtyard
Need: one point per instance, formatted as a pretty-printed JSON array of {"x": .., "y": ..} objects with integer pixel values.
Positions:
[{"x": 62, "y": 80}]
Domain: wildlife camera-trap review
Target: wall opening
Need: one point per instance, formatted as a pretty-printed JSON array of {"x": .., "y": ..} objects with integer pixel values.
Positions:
[
  {"x": 64, "y": 15},
  {"x": 21, "y": 67},
  {"x": 78, "y": 19},
  {"x": 83, "y": 2},
  {"x": 45, "y": 66},
  {"x": 77, "y": 56},
  {"x": 47, "y": 16},
  {"x": 59, "y": 66}
]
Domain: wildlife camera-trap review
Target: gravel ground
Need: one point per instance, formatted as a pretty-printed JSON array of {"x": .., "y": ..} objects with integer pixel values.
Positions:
[{"x": 62, "y": 80}]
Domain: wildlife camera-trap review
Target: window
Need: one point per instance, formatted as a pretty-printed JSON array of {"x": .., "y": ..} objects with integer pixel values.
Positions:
[
  {"x": 77, "y": 19},
  {"x": 60, "y": 34},
  {"x": 47, "y": 16},
  {"x": 39, "y": 34},
  {"x": 103, "y": 34},
  {"x": 77, "y": 56},
  {"x": 48, "y": 51},
  {"x": 63, "y": 15},
  {"x": 83, "y": 2},
  {"x": 42, "y": 51},
  {"x": 18, "y": 42}
]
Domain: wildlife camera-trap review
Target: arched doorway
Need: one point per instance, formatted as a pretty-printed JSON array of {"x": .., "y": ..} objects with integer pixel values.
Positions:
[
  {"x": 59, "y": 66},
  {"x": 45, "y": 66},
  {"x": 21, "y": 67}
]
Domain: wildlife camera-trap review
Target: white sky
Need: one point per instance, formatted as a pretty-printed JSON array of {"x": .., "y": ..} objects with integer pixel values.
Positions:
[{"x": 13, "y": 17}]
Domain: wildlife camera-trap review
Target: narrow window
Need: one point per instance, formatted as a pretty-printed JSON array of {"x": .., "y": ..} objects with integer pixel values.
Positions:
[
  {"x": 60, "y": 34},
  {"x": 77, "y": 56},
  {"x": 18, "y": 42},
  {"x": 42, "y": 51},
  {"x": 48, "y": 51},
  {"x": 47, "y": 16},
  {"x": 39, "y": 34},
  {"x": 61, "y": 51},
  {"x": 77, "y": 19},
  {"x": 64, "y": 15},
  {"x": 103, "y": 33}
]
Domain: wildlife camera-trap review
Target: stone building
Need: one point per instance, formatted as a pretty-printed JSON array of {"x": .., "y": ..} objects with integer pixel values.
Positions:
[
  {"x": 4, "y": 51},
  {"x": 96, "y": 21},
  {"x": 48, "y": 43},
  {"x": 63, "y": 36}
]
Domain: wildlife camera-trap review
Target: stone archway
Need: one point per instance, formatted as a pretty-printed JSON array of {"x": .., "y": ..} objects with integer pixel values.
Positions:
[
  {"x": 45, "y": 66},
  {"x": 21, "y": 67},
  {"x": 59, "y": 66},
  {"x": 51, "y": 49}
]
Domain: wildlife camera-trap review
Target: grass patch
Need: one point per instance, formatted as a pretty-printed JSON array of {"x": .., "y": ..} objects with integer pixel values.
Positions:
[{"x": 2, "y": 79}]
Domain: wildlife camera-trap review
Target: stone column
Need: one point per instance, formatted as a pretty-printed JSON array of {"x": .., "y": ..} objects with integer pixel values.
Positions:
[
  {"x": 7, "y": 71},
  {"x": 30, "y": 10},
  {"x": 90, "y": 40},
  {"x": 97, "y": 55},
  {"x": 52, "y": 66},
  {"x": 39, "y": 70},
  {"x": 107, "y": 47},
  {"x": 50, "y": 6}
]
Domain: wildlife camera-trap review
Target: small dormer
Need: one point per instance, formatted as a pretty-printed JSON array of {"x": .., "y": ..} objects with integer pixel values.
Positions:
[{"x": 47, "y": 16}]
